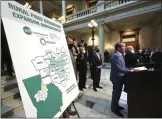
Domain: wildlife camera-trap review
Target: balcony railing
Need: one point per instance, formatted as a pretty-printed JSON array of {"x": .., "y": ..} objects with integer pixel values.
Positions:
[
  {"x": 82, "y": 13},
  {"x": 101, "y": 7}
]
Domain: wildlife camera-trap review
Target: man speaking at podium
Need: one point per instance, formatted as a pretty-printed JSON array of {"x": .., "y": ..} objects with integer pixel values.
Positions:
[{"x": 118, "y": 70}]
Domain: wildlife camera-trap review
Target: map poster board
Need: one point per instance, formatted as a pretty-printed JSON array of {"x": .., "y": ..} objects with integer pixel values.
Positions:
[{"x": 41, "y": 60}]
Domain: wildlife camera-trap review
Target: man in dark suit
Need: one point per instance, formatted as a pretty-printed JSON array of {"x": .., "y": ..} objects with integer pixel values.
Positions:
[
  {"x": 118, "y": 70},
  {"x": 90, "y": 56},
  {"x": 97, "y": 65}
]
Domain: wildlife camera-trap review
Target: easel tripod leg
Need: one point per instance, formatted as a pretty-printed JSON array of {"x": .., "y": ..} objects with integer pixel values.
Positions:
[{"x": 75, "y": 109}]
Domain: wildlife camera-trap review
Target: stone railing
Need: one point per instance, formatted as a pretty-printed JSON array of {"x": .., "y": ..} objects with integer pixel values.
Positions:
[
  {"x": 82, "y": 13},
  {"x": 116, "y": 4},
  {"x": 100, "y": 7},
  {"x": 109, "y": 4}
]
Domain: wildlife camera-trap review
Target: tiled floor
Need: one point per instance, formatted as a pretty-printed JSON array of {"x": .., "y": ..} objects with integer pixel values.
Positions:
[{"x": 97, "y": 104}]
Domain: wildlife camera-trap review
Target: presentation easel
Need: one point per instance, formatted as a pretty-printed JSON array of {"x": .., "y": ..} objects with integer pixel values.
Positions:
[{"x": 48, "y": 83}]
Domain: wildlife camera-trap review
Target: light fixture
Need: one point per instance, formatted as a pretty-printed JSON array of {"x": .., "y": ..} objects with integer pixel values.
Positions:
[
  {"x": 27, "y": 5},
  {"x": 93, "y": 24},
  {"x": 89, "y": 24},
  {"x": 92, "y": 21}
]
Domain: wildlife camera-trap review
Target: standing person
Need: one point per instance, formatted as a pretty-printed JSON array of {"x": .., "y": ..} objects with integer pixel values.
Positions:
[
  {"x": 146, "y": 55},
  {"x": 6, "y": 52},
  {"x": 118, "y": 70},
  {"x": 157, "y": 59},
  {"x": 106, "y": 56},
  {"x": 75, "y": 49},
  {"x": 81, "y": 63},
  {"x": 139, "y": 57},
  {"x": 2, "y": 62},
  {"x": 83, "y": 44},
  {"x": 68, "y": 111},
  {"x": 130, "y": 57},
  {"x": 97, "y": 65},
  {"x": 73, "y": 58},
  {"x": 90, "y": 56}
]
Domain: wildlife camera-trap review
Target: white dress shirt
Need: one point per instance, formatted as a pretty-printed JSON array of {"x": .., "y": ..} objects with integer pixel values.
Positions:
[{"x": 98, "y": 55}]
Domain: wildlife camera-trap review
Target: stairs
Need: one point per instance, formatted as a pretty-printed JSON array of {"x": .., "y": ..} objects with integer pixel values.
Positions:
[{"x": 11, "y": 104}]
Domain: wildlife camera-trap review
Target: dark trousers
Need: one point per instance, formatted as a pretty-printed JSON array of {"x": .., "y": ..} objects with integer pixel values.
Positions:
[
  {"x": 117, "y": 89},
  {"x": 2, "y": 63},
  {"x": 66, "y": 113},
  {"x": 96, "y": 77},
  {"x": 8, "y": 62},
  {"x": 82, "y": 79},
  {"x": 91, "y": 71}
]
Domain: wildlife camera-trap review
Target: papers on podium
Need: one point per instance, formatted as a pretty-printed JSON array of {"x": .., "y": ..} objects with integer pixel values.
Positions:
[{"x": 140, "y": 68}]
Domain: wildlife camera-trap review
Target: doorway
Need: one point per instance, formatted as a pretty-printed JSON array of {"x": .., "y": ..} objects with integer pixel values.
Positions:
[{"x": 130, "y": 38}]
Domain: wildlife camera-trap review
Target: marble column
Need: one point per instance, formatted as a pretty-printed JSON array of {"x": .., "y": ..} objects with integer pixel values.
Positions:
[
  {"x": 63, "y": 18},
  {"x": 41, "y": 7},
  {"x": 63, "y": 8},
  {"x": 101, "y": 38}
]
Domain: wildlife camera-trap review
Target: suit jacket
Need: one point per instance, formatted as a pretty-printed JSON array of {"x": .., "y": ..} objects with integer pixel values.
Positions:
[
  {"x": 96, "y": 61},
  {"x": 118, "y": 68}
]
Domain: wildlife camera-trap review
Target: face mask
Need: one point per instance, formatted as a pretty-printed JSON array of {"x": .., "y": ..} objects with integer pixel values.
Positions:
[
  {"x": 97, "y": 50},
  {"x": 70, "y": 46}
]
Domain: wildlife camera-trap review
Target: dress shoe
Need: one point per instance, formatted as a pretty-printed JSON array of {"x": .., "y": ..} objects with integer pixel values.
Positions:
[
  {"x": 73, "y": 113},
  {"x": 81, "y": 89},
  {"x": 100, "y": 87},
  {"x": 121, "y": 108},
  {"x": 118, "y": 113},
  {"x": 95, "y": 89},
  {"x": 10, "y": 74}
]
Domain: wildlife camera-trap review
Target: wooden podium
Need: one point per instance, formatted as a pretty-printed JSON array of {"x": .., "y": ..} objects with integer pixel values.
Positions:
[{"x": 144, "y": 94}]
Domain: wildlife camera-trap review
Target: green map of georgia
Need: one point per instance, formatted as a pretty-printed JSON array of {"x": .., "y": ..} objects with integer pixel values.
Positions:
[{"x": 45, "y": 95}]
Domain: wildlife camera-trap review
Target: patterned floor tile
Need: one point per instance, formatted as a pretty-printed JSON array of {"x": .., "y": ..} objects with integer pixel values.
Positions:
[
  {"x": 94, "y": 114},
  {"x": 99, "y": 107}
]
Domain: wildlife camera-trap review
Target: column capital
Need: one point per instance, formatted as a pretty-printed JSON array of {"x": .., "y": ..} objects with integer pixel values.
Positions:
[{"x": 100, "y": 22}]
